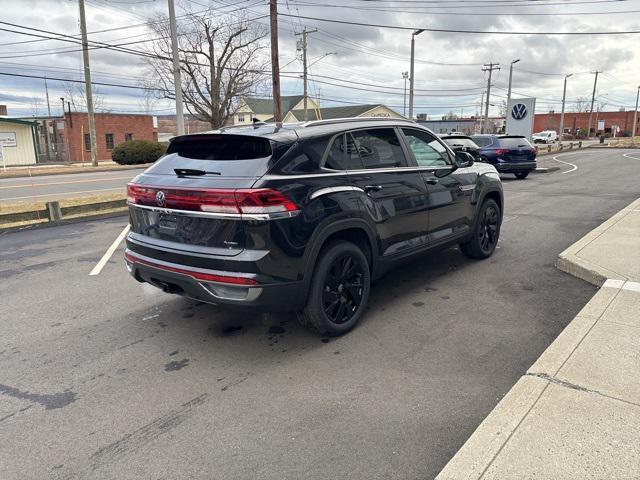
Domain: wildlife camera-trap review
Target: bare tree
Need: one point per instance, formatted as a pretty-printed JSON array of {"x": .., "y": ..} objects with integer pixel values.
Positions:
[
  {"x": 581, "y": 104},
  {"x": 502, "y": 108},
  {"x": 75, "y": 95},
  {"x": 221, "y": 61}
]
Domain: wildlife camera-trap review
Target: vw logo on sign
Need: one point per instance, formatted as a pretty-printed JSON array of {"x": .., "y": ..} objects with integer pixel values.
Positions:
[
  {"x": 519, "y": 111},
  {"x": 160, "y": 198}
]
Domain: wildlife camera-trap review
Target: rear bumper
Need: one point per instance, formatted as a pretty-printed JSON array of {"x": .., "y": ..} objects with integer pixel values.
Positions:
[
  {"x": 514, "y": 167},
  {"x": 214, "y": 286}
]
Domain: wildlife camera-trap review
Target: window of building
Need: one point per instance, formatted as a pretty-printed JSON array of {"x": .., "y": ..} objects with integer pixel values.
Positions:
[
  {"x": 241, "y": 117},
  {"x": 87, "y": 142},
  {"x": 109, "y": 140},
  {"x": 377, "y": 148},
  {"x": 128, "y": 137},
  {"x": 429, "y": 152}
]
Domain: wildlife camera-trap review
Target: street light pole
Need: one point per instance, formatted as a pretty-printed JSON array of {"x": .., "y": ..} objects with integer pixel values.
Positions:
[
  {"x": 176, "y": 69},
  {"x": 405, "y": 75},
  {"x": 635, "y": 116},
  {"x": 593, "y": 99},
  {"x": 87, "y": 86},
  {"x": 564, "y": 96},
  {"x": 510, "y": 76},
  {"x": 414, "y": 34}
]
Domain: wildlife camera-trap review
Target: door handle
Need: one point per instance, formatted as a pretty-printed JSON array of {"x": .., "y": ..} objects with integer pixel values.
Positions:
[
  {"x": 431, "y": 181},
  {"x": 372, "y": 188}
]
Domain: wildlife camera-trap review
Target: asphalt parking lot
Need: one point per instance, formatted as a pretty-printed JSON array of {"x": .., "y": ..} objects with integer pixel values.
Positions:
[{"x": 106, "y": 378}]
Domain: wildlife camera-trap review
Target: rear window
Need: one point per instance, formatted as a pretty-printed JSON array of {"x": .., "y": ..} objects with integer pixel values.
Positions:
[
  {"x": 462, "y": 142},
  {"x": 223, "y": 147},
  {"x": 514, "y": 142},
  {"x": 482, "y": 141}
]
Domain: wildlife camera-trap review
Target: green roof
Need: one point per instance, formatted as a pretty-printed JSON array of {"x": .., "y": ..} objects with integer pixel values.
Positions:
[
  {"x": 17, "y": 120},
  {"x": 264, "y": 106},
  {"x": 331, "y": 113}
]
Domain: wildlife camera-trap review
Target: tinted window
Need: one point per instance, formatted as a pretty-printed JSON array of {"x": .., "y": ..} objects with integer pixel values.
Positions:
[
  {"x": 428, "y": 151},
  {"x": 376, "y": 148},
  {"x": 460, "y": 142},
  {"x": 514, "y": 142},
  {"x": 482, "y": 141},
  {"x": 336, "y": 156},
  {"x": 224, "y": 147}
]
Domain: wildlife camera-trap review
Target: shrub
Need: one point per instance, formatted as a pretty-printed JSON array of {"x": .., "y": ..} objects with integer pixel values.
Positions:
[{"x": 137, "y": 151}]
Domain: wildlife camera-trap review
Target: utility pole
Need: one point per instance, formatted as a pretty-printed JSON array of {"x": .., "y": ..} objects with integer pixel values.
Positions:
[
  {"x": 635, "y": 117},
  {"x": 303, "y": 47},
  {"x": 176, "y": 69},
  {"x": 488, "y": 67},
  {"x": 46, "y": 122},
  {"x": 405, "y": 75},
  {"x": 414, "y": 34},
  {"x": 510, "y": 76},
  {"x": 87, "y": 85},
  {"x": 564, "y": 96},
  {"x": 275, "y": 62},
  {"x": 593, "y": 99}
]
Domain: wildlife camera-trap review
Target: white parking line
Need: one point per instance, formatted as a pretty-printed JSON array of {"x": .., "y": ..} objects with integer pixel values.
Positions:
[
  {"x": 105, "y": 258},
  {"x": 575, "y": 167},
  {"x": 628, "y": 155}
]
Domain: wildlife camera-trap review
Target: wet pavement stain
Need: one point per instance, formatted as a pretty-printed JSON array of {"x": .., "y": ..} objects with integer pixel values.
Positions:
[
  {"x": 39, "y": 266},
  {"x": 48, "y": 401},
  {"x": 445, "y": 297},
  {"x": 188, "y": 314},
  {"x": 225, "y": 331},
  {"x": 418, "y": 304},
  {"x": 175, "y": 352},
  {"x": 430, "y": 289},
  {"x": 174, "y": 366}
]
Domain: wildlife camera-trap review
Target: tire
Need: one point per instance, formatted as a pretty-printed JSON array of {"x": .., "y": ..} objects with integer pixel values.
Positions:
[
  {"x": 486, "y": 232},
  {"x": 521, "y": 175},
  {"x": 333, "y": 308}
]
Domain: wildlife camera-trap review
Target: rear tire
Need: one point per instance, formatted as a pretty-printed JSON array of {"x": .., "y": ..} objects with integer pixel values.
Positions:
[
  {"x": 486, "y": 232},
  {"x": 521, "y": 175},
  {"x": 339, "y": 290}
]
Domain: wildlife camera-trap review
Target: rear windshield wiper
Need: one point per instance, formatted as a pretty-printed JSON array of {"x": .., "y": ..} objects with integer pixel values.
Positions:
[{"x": 193, "y": 172}]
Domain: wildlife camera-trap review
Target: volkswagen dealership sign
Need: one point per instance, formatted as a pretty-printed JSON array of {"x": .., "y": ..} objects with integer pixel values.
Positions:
[{"x": 520, "y": 113}]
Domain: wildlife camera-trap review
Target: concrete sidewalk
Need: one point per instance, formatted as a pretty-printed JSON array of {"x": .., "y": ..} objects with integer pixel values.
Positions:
[{"x": 575, "y": 414}]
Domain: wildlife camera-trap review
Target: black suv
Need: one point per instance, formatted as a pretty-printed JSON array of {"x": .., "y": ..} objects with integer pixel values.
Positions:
[{"x": 304, "y": 216}]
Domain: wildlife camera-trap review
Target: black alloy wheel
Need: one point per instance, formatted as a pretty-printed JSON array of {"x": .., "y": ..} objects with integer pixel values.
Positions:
[
  {"x": 486, "y": 232},
  {"x": 343, "y": 289},
  {"x": 339, "y": 289},
  {"x": 489, "y": 227}
]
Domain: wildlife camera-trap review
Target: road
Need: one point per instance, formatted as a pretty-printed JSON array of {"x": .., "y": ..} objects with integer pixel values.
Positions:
[
  {"x": 47, "y": 188},
  {"x": 105, "y": 378}
]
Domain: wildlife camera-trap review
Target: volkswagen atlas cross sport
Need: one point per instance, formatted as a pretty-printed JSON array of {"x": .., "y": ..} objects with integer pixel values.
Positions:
[{"x": 305, "y": 216}]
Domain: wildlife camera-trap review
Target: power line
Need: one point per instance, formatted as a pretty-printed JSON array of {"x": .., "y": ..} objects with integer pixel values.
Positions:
[{"x": 451, "y": 30}]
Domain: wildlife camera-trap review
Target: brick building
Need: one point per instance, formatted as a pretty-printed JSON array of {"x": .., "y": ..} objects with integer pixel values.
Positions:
[
  {"x": 573, "y": 122},
  {"x": 72, "y": 133}
]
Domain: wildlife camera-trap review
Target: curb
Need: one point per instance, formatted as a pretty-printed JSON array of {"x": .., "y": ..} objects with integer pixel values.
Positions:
[
  {"x": 569, "y": 260},
  {"x": 481, "y": 449},
  {"x": 67, "y": 221},
  {"x": 85, "y": 170}
]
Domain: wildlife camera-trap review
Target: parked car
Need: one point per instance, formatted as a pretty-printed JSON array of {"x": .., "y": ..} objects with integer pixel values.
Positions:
[
  {"x": 462, "y": 143},
  {"x": 507, "y": 153},
  {"x": 546, "y": 136},
  {"x": 303, "y": 217}
]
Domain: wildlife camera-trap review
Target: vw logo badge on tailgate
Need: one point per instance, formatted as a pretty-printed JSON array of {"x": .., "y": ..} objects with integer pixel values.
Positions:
[
  {"x": 519, "y": 111},
  {"x": 160, "y": 198}
]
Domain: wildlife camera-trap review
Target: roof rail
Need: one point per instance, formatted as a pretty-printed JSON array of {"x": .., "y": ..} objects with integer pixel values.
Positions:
[{"x": 314, "y": 123}]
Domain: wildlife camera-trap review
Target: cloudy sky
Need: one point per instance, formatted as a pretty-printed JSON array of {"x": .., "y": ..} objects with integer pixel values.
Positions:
[{"x": 366, "y": 62}]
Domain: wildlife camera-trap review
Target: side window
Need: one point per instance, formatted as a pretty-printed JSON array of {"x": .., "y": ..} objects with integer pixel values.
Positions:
[
  {"x": 336, "y": 156},
  {"x": 377, "y": 148},
  {"x": 428, "y": 151}
]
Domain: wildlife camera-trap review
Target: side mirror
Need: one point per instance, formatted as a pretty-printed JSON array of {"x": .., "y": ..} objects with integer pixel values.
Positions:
[{"x": 463, "y": 159}]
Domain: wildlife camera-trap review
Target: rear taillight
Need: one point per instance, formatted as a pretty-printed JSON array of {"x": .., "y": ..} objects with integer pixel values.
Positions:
[
  {"x": 241, "y": 200},
  {"x": 501, "y": 151}
]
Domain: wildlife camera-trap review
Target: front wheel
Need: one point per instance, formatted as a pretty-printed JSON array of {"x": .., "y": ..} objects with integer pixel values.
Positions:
[
  {"x": 339, "y": 290},
  {"x": 521, "y": 175},
  {"x": 486, "y": 232}
]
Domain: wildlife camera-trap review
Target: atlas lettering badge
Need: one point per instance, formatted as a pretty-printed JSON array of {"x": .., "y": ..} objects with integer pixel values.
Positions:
[{"x": 519, "y": 111}]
